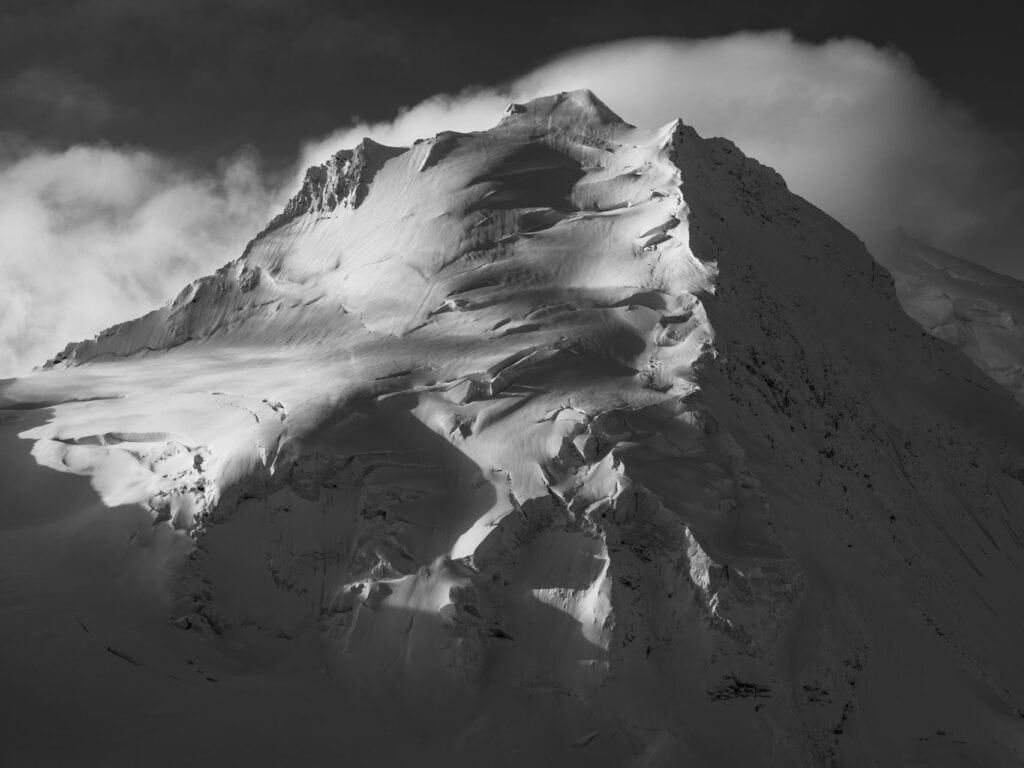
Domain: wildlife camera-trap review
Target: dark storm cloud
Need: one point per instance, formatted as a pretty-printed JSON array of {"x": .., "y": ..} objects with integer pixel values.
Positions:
[
  {"x": 199, "y": 78},
  {"x": 61, "y": 101},
  {"x": 206, "y": 76}
]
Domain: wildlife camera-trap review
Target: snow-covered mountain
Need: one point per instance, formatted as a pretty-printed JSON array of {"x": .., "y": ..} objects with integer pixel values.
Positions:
[
  {"x": 979, "y": 311},
  {"x": 561, "y": 443}
]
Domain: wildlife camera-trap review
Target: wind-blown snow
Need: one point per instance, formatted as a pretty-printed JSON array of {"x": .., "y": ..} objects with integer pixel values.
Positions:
[{"x": 564, "y": 441}]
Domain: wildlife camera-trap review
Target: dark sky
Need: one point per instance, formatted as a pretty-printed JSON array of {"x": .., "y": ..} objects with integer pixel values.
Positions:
[{"x": 200, "y": 79}]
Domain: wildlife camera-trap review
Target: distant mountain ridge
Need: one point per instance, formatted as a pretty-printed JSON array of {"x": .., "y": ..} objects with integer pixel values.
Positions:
[{"x": 979, "y": 311}]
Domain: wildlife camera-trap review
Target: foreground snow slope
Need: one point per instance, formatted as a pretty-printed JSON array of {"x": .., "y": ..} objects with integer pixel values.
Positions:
[
  {"x": 559, "y": 443},
  {"x": 979, "y": 311}
]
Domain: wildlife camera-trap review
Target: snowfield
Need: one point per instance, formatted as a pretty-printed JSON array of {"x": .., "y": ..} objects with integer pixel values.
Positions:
[
  {"x": 976, "y": 310},
  {"x": 561, "y": 443}
]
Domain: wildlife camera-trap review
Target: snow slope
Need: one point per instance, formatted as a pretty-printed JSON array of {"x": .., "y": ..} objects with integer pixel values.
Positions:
[
  {"x": 559, "y": 443},
  {"x": 978, "y": 311}
]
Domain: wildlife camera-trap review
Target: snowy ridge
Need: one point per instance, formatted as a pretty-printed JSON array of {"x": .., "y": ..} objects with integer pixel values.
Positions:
[
  {"x": 976, "y": 310},
  {"x": 578, "y": 428},
  {"x": 343, "y": 180}
]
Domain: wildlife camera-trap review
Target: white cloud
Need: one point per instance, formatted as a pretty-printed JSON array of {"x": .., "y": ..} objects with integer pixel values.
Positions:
[
  {"x": 472, "y": 110},
  {"x": 92, "y": 236}
]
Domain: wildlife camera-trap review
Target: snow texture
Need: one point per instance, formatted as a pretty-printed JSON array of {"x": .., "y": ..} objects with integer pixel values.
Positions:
[{"x": 979, "y": 311}]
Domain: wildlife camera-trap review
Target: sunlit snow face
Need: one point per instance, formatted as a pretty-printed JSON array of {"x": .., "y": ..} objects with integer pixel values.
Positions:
[
  {"x": 359, "y": 340},
  {"x": 852, "y": 128}
]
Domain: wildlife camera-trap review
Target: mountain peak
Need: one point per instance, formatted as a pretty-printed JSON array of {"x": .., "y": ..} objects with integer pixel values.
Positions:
[
  {"x": 571, "y": 424},
  {"x": 344, "y": 179},
  {"x": 579, "y": 106}
]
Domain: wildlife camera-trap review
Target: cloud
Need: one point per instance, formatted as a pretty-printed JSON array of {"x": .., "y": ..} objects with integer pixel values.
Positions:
[
  {"x": 852, "y": 127},
  {"x": 471, "y": 110},
  {"x": 92, "y": 236}
]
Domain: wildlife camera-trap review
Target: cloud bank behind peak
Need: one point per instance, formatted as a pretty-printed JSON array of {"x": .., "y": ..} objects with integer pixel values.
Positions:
[{"x": 93, "y": 235}]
